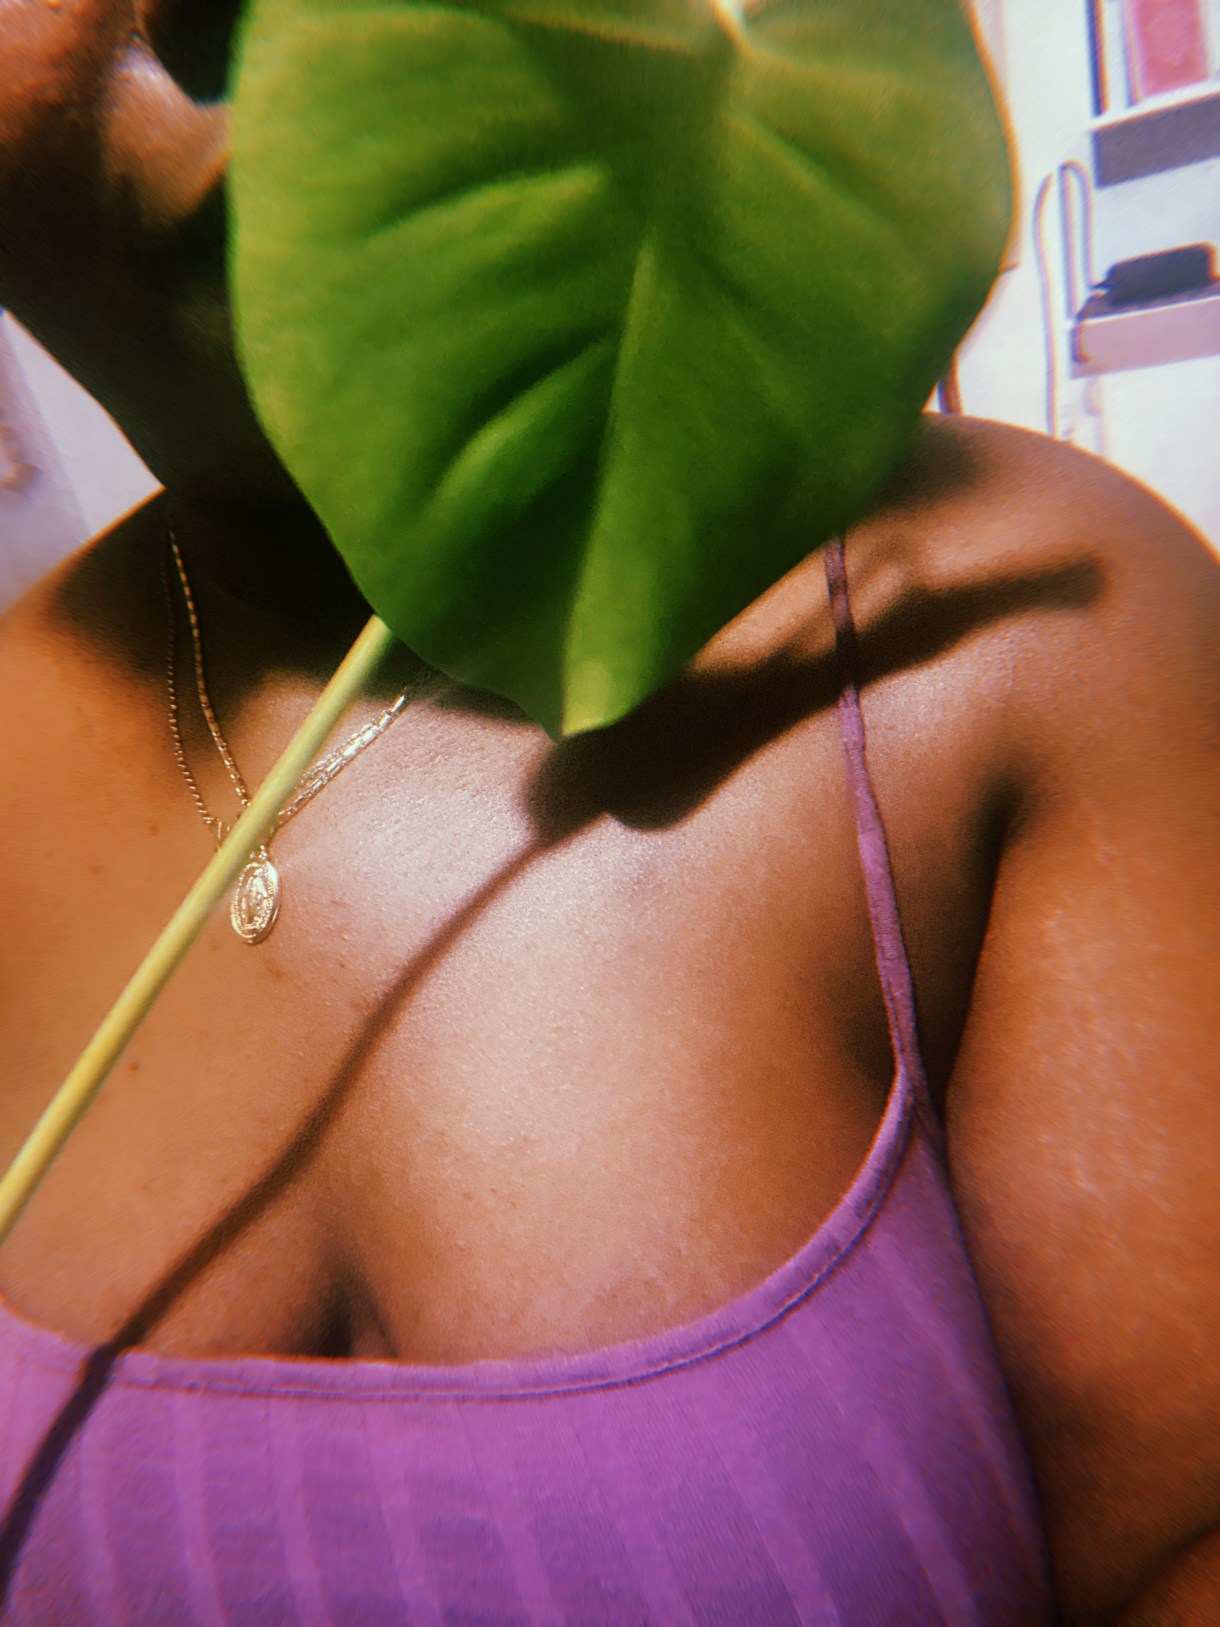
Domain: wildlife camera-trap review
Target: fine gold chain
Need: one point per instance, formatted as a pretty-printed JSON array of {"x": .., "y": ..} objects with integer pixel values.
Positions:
[
  {"x": 255, "y": 904},
  {"x": 214, "y": 824}
]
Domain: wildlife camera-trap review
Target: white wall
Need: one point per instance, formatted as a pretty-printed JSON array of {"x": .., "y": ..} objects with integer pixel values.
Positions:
[
  {"x": 1158, "y": 423},
  {"x": 40, "y": 519},
  {"x": 77, "y": 473},
  {"x": 106, "y": 476}
]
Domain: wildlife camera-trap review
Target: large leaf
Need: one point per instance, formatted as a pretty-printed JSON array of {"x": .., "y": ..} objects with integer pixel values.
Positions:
[{"x": 579, "y": 322}]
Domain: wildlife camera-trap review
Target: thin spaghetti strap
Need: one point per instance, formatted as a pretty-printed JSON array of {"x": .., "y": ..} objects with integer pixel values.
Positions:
[{"x": 893, "y": 966}]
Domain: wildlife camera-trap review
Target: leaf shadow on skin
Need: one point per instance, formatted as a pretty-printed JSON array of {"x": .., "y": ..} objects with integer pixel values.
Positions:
[
  {"x": 662, "y": 762},
  {"x": 98, "y": 1367},
  {"x": 643, "y": 774}
]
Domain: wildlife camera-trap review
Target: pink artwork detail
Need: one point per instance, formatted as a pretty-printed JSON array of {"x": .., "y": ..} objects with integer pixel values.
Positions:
[{"x": 1166, "y": 45}]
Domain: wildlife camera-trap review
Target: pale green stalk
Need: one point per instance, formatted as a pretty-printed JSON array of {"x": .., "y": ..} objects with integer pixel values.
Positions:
[{"x": 129, "y": 1010}]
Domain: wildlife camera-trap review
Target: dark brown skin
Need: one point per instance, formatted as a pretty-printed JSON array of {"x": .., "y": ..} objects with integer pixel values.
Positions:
[{"x": 557, "y": 1045}]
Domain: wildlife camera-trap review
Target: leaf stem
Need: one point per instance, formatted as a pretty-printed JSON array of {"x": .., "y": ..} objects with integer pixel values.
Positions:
[{"x": 73, "y": 1097}]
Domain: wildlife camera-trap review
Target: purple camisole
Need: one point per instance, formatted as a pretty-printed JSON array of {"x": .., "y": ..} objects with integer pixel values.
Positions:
[{"x": 835, "y": 1446}]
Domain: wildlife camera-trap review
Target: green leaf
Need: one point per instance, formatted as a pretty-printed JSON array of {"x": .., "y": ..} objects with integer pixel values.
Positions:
[{"x": 580, "y": 322}]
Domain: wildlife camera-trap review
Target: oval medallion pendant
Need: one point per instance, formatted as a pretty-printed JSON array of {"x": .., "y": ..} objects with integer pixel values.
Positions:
[{"x": 256, "y": 899}]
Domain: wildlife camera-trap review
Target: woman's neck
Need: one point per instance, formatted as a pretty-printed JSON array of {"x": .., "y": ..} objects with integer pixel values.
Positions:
[
  {"x": 275, "y": 567},
  {"x": 275, "y": 604}
]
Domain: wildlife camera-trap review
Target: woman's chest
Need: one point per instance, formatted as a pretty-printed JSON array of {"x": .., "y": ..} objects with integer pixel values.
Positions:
[
  {"x": 837, "y": 1443},
  {"x": 535, "y": 1056},
  {"x": 541, "y": 1078}
]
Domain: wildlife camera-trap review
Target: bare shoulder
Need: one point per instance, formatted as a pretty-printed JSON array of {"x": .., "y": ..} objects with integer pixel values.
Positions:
[
  {"x": 993, "y": 536},
  {"x": 984, "y": 504},
  {"x": 1026, "y": 498},
  {"x": 1092, "y": 608},
  {"x": 1040, "y": 647},
  {"x": 1082, "y": 1109}
]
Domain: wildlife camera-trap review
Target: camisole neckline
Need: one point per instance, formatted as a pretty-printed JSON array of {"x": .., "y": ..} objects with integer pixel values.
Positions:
[{"x": 744, "y": 1317}]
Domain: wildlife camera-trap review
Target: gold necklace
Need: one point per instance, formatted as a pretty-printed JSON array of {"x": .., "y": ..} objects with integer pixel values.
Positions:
[{"x": 255, "y": 905}]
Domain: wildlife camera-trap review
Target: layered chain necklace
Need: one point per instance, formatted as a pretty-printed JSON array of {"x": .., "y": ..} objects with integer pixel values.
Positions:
[{"x": 255, "y": 904}]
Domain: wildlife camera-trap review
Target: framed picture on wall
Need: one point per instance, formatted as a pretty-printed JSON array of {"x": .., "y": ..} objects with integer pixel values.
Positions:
[
  {"x": 1166, "y": 45},
  {"x": 1152, "y": 48}
]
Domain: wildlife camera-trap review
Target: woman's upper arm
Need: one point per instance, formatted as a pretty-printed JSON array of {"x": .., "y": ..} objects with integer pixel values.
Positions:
[{"x": 1083, "y": 1113}]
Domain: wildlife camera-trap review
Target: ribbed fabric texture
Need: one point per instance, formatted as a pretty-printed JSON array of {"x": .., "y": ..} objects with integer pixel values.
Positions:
[{"x": 836, "y": 1446}]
